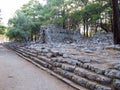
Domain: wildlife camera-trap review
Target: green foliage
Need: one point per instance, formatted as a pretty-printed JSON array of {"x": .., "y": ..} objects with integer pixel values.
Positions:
[
  {"x": 59, "y": 21},
  {"x": 2, "y": 29},
  {"x": 34, "y": 10},
  {"x": 19, "y": 27},
  {"x": 66, "y": 13},
  {"x": 16, "y": 34},
  {"x": 91, "y": 13}
]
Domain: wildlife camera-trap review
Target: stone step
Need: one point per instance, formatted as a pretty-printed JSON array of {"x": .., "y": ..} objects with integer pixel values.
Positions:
[
  {"x": 69, "y": 82},
  {"x": 99, "y": 70},
  {"x": 93, "y": 68},
  {"x": 83, "y": 70},
  {"x": 93, "y": 76},
  {"x": 81, "y": 81},
  {"x": 113, "y": 74},
  {"x": 32, "y": 57},
  {"x": 43, "y": 63},
  {"x": 65, "y": 60},
  {"x": 30, "y": 53},
  {"x": 68, "y": 67},
  {"x": 87, "y": 73},
  {"x": 88, "y": 66},
  {"x": 96, "y": 69},
  {"x": 43, "y": 58}
]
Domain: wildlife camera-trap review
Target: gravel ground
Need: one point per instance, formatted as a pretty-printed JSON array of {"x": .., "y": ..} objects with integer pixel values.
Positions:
[{"x": 18, "y": 74}]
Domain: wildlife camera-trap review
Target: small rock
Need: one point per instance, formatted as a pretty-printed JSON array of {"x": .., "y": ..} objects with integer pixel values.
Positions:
[
  {"x": 86, "y": 65},
  {"x": 85, "y": 50},
  {"x": 82, "y": 59},
  {"x": 45, "y": 51},
  {"x": 55, "y": 52},
  {"x": 86, "y": 60},
  {"x": 49, "y": 55},
  {"x": 65, "y": 56},
  {"x": 99, "y": 70}
]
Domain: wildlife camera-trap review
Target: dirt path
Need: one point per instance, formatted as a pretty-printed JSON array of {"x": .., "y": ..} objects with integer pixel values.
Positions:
[{"x": 18, "y": 74}]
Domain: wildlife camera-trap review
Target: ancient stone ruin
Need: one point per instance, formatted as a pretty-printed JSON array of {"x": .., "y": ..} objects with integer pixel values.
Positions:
[
  {"x": 81, "y": 67},
  {"x": 91, "y": 64},
  {"x": 53, "y": 34}
]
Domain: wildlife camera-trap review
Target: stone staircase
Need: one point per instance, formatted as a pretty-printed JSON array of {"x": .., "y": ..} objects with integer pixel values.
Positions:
[{"x": 86, "y": 75}]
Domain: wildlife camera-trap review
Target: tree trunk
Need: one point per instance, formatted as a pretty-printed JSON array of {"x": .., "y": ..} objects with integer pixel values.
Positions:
[
  {"x": 116, "y": 29},
  {"x": 111, "y": 22},
  {"x": 84, "y": 26},
  {"x": 86, "y": 30},
  {"x": 96, "y": 27},
  {"x": 64, "y": 21}
]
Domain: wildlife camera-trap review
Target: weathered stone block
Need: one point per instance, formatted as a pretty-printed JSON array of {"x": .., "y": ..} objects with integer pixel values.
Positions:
[
  {"x": 49, "y": 55},
  {"x": 55, "y": 64},
  {"x": 116, "y": 84},
  {"x": 99, "y": 70},
  {"x": 68, "y": 67},
  {"x": 101, "y": 87},
  {"x": 103, "y": 79},
  {"x": 65, "y": 55},
  {"x": 81, "y": 81},
  {"x": 54, "y": 59},
  {"x": 55, "y": 52},
  {"x": 91, "y": 85},
  {"x": 117, "y": 67},
  {"x": 113, "y": 74},
  {"x": 68, "y": 75},
  {"x": 80, "y": 72}
]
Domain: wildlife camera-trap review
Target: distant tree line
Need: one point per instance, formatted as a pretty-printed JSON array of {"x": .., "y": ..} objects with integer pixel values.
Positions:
[{"x": 88, "y": 16}]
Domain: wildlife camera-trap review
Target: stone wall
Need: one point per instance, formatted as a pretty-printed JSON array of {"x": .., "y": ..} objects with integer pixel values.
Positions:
[{"x": 52, "y": 33}]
